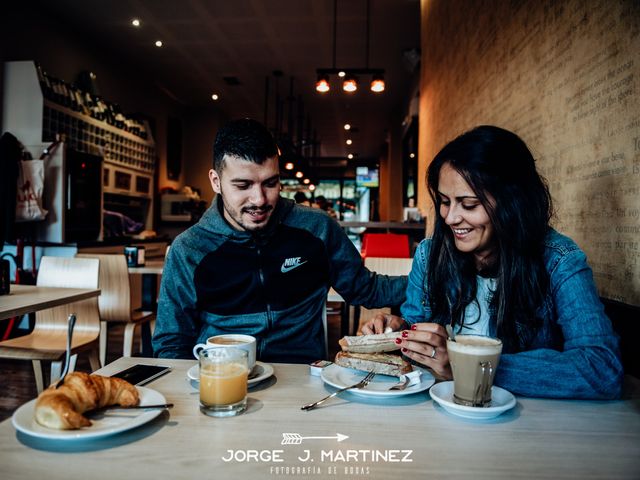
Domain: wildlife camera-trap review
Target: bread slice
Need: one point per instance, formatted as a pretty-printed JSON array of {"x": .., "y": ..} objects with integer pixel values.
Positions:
[
  {"x": 382, "y": 342},
  {"x": 382, "y": 363}
]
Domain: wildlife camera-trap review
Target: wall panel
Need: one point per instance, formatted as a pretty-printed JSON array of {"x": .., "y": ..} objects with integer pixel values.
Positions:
[{"x": 565, "y": 76}]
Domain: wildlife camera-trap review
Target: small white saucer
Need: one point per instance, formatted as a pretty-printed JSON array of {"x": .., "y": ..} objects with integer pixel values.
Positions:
[
  {"x": 260, "y": 372},
  {"x": 501, "y": 401}
]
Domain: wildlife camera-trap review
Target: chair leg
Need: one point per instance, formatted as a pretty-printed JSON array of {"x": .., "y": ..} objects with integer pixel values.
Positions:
[
  {"x": 72, "y": 362},
  {"x": 56, "y": 370},
  {"x": 127, "y": 346},
  {"x": 94, "y": 359},
  {"x": 104, "y": 335},
  {"x": 37, "y": 371}
]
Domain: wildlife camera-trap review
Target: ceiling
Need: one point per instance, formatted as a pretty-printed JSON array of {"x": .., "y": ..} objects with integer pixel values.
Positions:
[{"x": 205, "y": 41}]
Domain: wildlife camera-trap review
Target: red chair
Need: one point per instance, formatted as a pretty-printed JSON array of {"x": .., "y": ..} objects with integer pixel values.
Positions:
[{"x": 389, "y": 245}]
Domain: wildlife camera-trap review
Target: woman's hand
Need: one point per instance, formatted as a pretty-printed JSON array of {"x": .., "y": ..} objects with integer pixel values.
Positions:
[
  {"x": 426, "y": 343},
  {"x": 381, "y": 321}
]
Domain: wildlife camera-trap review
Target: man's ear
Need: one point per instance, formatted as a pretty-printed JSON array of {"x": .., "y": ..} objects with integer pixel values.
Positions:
[{"x": 214, "y": 178}]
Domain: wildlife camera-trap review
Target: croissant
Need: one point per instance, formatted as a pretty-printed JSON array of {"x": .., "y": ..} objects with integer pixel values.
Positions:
[{"x": 62, "y": 408}]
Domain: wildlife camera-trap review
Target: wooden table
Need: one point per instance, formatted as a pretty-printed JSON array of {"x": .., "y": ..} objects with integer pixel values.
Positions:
[
  {"x": 151, "y": 267},
  {"x": 25, "y": 299},
  {"x": 537, "y": 439}
]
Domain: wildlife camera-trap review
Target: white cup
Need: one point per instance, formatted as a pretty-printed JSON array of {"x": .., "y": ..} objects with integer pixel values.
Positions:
[{"x": 233, "y": 340}]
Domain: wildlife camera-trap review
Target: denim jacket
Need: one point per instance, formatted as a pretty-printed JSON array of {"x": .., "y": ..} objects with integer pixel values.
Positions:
[{"x": 574, "y": 354}]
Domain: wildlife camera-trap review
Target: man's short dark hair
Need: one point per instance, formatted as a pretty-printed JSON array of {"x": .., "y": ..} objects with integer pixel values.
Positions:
[{"x": 245, "y": 138}]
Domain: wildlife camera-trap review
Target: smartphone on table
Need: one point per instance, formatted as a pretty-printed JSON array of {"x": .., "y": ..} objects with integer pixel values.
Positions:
[{"x": 141, "y": 374}]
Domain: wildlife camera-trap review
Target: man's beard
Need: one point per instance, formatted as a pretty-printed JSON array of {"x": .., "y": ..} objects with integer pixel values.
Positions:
[{"x": 237, "y": 216}]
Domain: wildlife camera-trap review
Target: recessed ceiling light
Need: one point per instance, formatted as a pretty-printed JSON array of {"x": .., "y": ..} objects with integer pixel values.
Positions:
[
  {"x": 312, "y": 187},
  {"x": 299, "y": 174},
  {"x": 350, "y": 156},
  {"x": 349, "y": 141},
  {"x": 158, "y": 43},
  {"x": 412, "y": 155},
  {"x": 341, "y": 73},
  {"x": 135, "y": 22},
  {"x": 288, "y": 166},
  {"x": 306, "y": 181},
  {"x": 215, "y": 96},
  {"x": 347, "y": 126}
]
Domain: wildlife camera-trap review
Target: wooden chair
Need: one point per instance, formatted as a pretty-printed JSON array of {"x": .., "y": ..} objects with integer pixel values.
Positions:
[
  {"x": 115, "y": 301},
  {"x": 48, "y": 340},
  {"x": 384, "y": 266}
]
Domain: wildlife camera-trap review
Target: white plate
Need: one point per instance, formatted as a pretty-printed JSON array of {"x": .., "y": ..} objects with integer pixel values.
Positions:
[
  {"x": 501, "y": 401},
  {"x": 112, "y": 421},
  {"x": 341, "y": 377},
  {"x": 260, "y": 372}
]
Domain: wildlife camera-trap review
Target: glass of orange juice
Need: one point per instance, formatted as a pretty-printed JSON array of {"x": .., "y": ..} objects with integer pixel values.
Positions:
[{"x": 223, "y": 381}]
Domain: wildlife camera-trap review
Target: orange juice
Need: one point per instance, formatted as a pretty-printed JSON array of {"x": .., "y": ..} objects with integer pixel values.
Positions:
[{"x": 223, "y": 384}]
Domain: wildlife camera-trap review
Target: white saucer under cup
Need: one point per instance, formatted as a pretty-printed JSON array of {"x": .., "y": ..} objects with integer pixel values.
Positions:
[{"x": 501, "y": 401}]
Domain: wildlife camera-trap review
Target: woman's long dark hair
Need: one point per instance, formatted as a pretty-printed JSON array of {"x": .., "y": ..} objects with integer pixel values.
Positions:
[{"x": 496, "y": 164}]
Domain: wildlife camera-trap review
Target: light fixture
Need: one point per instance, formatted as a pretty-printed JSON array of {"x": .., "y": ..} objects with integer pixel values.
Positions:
[
  {"x": 312, "y": 187},
  {"x": 322, "y": 85},
  {"x": 288, "y": 166},
  {"x": 412, "y": 155},
  {"x": 306, "y": 181},
  {"x": 347, "y": 126},
  {"x": 158, "y": 43},
  {"x": 377, "y": 84},
  {"x": 349, "y": 141},
  {"x": 350, "y": 156},
  {"x": 348, "y": 75},
  {"x": 299, "y": 174},
  {"x": 135, "y": 22},
  {"x": 350, "y": 84},
  {"x": 215, "y": 96}
]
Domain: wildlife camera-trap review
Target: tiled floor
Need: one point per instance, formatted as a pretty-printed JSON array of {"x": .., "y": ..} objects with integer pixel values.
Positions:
[{"x": 18, "y": 385}]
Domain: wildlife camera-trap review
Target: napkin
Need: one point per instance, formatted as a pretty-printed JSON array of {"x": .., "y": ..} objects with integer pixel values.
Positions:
[{"x": 414, "y": 377}]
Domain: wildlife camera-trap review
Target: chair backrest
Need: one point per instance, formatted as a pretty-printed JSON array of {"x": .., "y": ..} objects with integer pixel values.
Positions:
[
  {"x": 393, "y": 245},
  {"x": 115, "y": 291},
  {"x": 624, "y": 318},
  {"x": 70, "y": 272},
  {"x": 389, "y": 266}
]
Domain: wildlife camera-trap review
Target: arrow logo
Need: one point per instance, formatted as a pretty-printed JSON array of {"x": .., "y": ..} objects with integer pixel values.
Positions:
[{"x": 296, "y": 438}]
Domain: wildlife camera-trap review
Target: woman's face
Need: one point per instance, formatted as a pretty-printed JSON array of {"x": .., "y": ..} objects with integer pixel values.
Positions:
[{"x": 465, "y": 215}]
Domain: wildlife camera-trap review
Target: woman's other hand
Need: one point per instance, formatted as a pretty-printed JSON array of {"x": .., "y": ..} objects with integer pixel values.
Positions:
[
  {"x": 426, "y": 343},
  {"x": 381, "y": 322}
]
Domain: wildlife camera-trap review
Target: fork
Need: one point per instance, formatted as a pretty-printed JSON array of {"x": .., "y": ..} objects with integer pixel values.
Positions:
[
  {"x": 361, "y": 384},
  {"x": 67, "y": 358}
]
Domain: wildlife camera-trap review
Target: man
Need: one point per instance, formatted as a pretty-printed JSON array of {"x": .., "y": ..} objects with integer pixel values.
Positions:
[{"x": 258, "y": 264}]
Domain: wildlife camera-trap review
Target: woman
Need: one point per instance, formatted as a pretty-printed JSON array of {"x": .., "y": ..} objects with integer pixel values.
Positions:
[{"x": 495, "y": 267}]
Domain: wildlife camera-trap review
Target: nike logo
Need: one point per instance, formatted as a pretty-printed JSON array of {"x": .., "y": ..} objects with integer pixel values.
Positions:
[{"x": 291, "y": 263}]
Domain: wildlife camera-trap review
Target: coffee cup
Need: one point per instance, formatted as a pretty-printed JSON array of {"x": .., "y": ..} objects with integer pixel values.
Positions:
[
  {"x": 223, "y": 385},
  {"x": 231, "y": 340},
  {"x": 474, "y": 360}
]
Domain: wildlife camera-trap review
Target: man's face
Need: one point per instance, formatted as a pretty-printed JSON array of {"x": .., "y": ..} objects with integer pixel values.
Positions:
[{"x": 249, "y": 191}]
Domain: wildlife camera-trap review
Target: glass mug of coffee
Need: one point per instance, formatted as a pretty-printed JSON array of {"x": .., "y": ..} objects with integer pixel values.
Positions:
[
  {"x": 224, "y": 377},
  {"x": 474, "y": 360},
  {"x": 231, "y": 340}
]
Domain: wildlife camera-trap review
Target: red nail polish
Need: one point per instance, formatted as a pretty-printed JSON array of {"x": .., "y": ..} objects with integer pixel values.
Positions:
[
  {"x": 405, "y": 334},
  {"x": 398, "y": 341},
  {"x": 404, "y": 349},
  {"x": 413, "y": 327}
]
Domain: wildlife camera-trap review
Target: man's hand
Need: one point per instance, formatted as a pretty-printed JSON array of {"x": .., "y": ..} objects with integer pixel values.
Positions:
[{"x": 382, "y": 322}]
